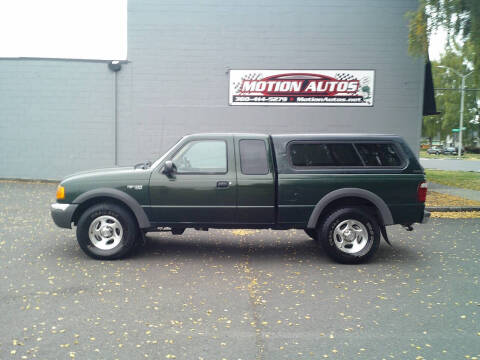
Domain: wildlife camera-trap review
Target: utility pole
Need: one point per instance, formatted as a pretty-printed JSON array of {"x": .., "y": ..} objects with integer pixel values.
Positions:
[
  {"x": 462, "y": 100},
  {"x": 460, "y": 131}
]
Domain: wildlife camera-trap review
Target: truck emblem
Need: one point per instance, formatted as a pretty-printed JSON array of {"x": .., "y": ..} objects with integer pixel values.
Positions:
[{"x": 135, "y": 187}]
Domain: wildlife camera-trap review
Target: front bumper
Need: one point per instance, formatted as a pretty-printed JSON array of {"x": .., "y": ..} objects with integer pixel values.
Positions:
[
  {"x": 426, "y": 217},
  {"x": 62, "y": 214}
]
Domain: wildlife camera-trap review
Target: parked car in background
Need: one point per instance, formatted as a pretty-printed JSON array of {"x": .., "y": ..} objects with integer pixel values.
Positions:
[
  {"x": 437, "y": 150},
  {"x": 452, "y": 150},
  {"x": 343, "y": 190}
]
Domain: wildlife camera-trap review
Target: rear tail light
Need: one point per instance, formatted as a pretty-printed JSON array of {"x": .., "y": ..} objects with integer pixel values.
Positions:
[{"x": 422, "y": 192}]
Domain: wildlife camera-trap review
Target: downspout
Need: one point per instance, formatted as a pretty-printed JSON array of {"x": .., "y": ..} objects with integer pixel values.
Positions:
[{"x": 115, "y": 66}]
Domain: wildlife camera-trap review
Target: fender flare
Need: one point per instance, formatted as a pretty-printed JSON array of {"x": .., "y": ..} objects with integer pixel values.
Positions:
[
  {"x": 383, "y": 210},
  {"x": 128, "y": 200}
]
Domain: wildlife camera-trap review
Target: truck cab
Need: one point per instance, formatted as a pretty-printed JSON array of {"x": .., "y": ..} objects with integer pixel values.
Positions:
[{"x": 215, "y": 180}]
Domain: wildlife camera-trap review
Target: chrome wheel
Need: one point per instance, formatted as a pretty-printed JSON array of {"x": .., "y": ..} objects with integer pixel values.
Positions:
[
  {"x": 105, "y": 232},
  {"x": 350, "y": 236}
]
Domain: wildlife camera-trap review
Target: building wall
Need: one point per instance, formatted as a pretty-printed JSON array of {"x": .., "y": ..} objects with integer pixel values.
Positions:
[{"x": 57, "y": 117}]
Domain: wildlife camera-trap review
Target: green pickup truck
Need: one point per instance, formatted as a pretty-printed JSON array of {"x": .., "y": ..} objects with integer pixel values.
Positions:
[{"x": 343, "y": 190}]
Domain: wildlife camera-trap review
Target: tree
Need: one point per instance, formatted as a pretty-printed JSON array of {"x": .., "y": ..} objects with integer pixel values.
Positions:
[
  {"x": 431, "y": 127},
  {"x": 448, "y": 101},
  {"x": 461, "y": 19}
]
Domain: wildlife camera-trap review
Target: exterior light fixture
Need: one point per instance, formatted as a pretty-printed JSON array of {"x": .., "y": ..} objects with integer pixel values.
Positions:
[{"x": 115, "y": 65}]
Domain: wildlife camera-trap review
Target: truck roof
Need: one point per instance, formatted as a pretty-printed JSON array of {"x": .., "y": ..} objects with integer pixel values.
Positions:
[
  {"x": 318, "y": 136},
  {"x": 346, "y": 136}
]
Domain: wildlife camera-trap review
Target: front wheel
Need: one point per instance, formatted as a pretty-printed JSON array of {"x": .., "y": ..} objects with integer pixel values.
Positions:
[
  {"x": 350, "y": 235},
  {"x": 107, "y": 231}
]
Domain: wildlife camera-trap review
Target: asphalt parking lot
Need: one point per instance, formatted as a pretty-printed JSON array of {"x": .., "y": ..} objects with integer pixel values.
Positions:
[{"x": 233, "y": 294}]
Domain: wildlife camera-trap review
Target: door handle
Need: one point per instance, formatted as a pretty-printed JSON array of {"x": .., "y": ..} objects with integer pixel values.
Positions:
[{"x": 223, "y": 184}]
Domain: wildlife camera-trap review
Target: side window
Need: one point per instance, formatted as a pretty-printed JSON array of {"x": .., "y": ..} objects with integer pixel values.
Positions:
[
  {"x": 202, "y": 156},
  {"x": 379, "y": 154},
  {"x": 323, "y": 154},
  {"x": 253, "y": 157}
]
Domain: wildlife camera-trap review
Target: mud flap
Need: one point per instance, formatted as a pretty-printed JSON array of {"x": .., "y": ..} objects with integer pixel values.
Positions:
[
  {"x": 143, "y": 238},
  {"x": 383, "y": 230}
]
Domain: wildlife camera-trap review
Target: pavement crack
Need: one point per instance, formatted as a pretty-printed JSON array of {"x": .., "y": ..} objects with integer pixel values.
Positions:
[{"x": 255, "y": 301}]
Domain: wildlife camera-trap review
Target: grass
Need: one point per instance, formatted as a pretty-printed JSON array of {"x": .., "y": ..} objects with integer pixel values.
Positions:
[
  {"x": 457, "y": 215},
  {"x": 466, "y": 156},
  {"x": 461, "y": 179}
]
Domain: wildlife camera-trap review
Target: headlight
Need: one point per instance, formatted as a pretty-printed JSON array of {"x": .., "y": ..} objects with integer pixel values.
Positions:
[{"x": 60, "y": 192}]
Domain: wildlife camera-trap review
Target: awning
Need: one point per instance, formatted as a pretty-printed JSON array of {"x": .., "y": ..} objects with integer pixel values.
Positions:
[{"x": 429, "y": 106}]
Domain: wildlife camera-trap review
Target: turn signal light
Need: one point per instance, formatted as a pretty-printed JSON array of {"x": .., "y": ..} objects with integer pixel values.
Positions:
[
  {"x": 60, "y": 192},
  {"x": 422, "y": 192}
]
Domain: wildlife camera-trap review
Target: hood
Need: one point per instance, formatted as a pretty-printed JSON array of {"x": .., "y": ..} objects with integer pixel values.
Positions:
[
  {"x": 117, "y": 178},
  {"x": 99, "y": 172},
  {"x": 116, "y": 174}
]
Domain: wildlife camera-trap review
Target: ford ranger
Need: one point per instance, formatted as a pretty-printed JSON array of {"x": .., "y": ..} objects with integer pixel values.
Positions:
[{"x": 342, "y": 189}]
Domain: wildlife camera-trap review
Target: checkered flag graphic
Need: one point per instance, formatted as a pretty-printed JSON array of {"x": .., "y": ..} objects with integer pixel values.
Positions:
[
  {"x": 365, "y": 81},
  {"x": 252, "y": 76},
  {"x": 344, "y": 76}
]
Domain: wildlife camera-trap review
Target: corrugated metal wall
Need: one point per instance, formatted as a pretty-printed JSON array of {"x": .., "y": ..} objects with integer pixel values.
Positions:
[{"x": 57, "y": 117}]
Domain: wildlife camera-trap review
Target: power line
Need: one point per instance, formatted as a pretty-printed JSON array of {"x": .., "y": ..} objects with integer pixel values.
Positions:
[{"x": 456, "y": 89}]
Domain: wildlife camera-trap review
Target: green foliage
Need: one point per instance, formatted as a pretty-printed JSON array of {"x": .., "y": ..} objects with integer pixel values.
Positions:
[
  {"x": 462, "y": 179},
  {"x": 418, "y": 31},
  {"x": 448, "y": 101},
  {"x": 461, "y": 19}
]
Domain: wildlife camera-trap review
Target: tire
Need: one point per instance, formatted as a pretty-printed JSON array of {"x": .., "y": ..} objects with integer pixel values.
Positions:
[
  {"x": 350, "y": 235},
  {"x": 312, "y": 233},
  {"x": 107, "y": 231}
]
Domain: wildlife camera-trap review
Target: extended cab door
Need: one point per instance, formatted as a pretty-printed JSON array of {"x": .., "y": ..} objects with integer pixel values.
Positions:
[
  {"x": 203, "y": 189},
  {"x": 256, "y": 180}
]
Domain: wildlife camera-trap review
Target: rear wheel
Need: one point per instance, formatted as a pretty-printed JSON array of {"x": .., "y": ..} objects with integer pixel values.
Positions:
[
  {"x": 350, "y": 235},
  {"x": 107, "y": 231}
]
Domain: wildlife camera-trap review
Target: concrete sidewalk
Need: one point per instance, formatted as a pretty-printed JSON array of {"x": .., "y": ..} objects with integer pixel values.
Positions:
[
  {"x": 450, "y": 190},
  {"x": 451, "y": 164}
]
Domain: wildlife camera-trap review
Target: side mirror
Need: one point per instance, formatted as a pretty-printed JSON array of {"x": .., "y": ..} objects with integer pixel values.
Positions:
[{"x": 169, "y": 168}]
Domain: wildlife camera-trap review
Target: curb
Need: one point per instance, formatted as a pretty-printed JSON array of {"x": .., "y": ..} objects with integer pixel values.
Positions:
[{"x": 453, "y": 209}]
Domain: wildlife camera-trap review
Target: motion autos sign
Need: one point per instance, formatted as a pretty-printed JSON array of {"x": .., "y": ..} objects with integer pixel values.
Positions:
[{"x": 302, "y": 87}]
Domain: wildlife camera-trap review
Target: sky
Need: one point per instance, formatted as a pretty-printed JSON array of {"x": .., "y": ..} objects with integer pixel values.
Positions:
[
  {"x": 86, "y": 29},
  {"x": 437, "y": 44}
]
